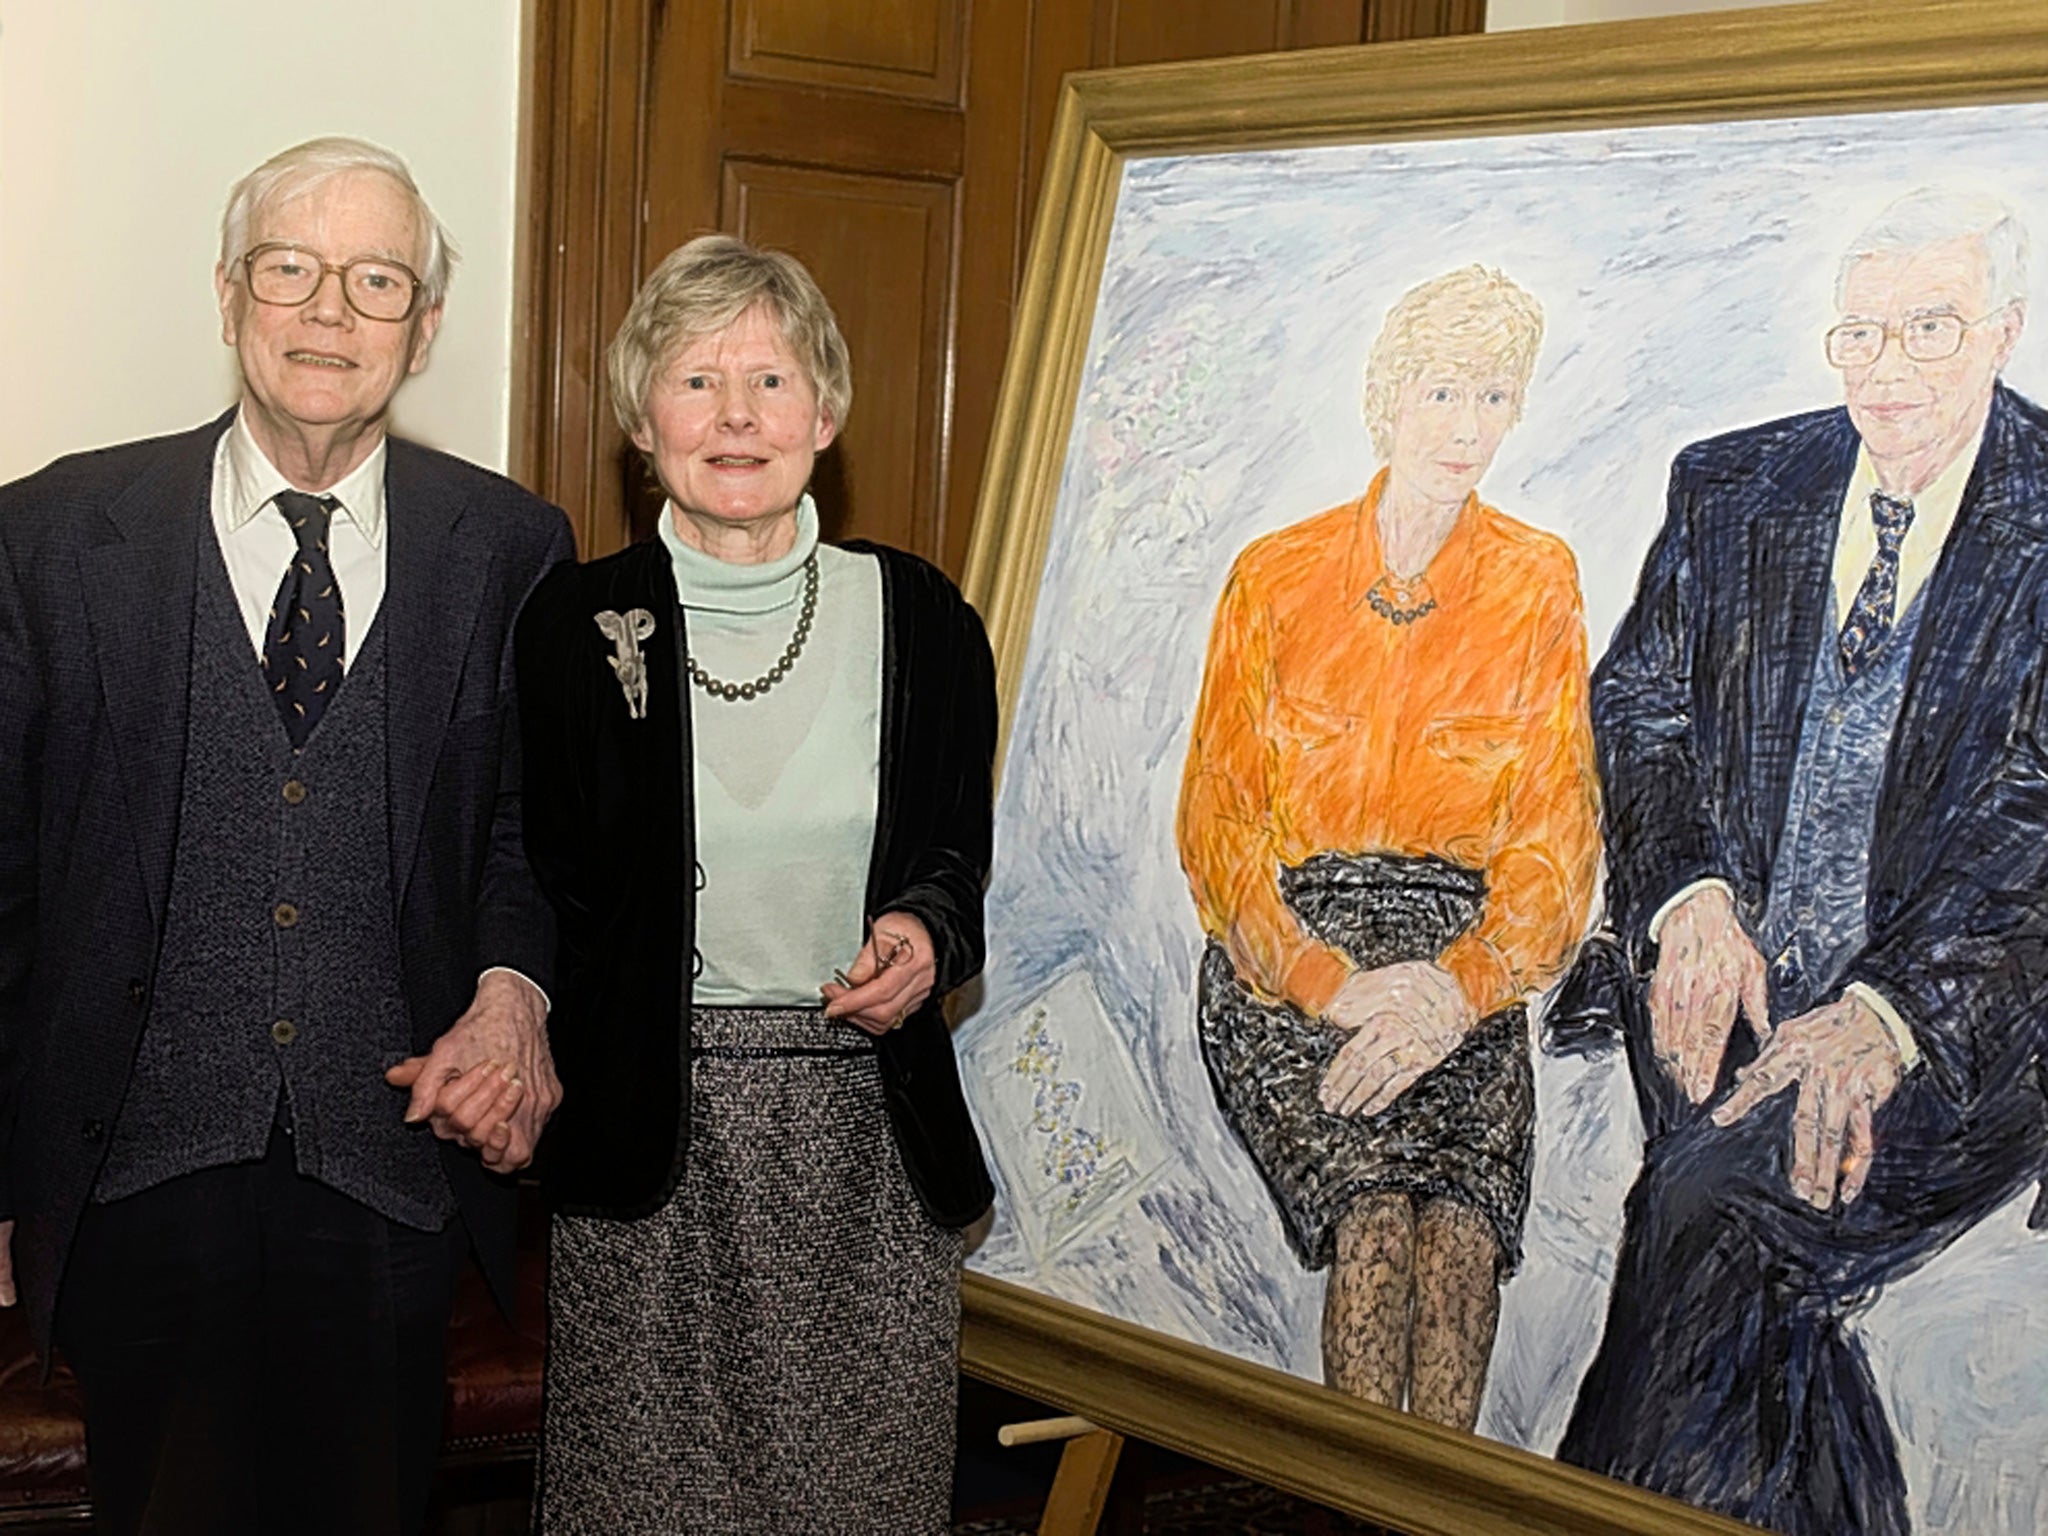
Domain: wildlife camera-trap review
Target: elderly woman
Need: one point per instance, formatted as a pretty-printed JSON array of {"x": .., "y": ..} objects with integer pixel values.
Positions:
[
  {"x": 757, "y": 794},
  {"x": 1389, "y": 823}
]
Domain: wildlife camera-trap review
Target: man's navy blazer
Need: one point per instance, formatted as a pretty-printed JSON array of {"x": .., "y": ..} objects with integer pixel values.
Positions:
[
  {"x": 98, "y": 560},
  {"x": 1699, "y": 701}
]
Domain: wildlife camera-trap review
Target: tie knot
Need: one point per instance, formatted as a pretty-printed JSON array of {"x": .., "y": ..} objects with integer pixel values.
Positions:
[
  {"x": 308, "y": 517},
  {"x": 1893, "y": 515}
]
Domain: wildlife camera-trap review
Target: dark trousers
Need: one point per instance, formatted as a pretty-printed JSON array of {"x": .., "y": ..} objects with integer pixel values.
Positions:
[
  {"x": 259, "y": 1355},
  {"x": 1727, "y": 1376}
]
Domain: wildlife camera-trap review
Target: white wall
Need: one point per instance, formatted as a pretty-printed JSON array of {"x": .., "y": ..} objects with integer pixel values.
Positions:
[
  {"x": 1511, "y": 15},
  {"x": 122, "y": 125}
]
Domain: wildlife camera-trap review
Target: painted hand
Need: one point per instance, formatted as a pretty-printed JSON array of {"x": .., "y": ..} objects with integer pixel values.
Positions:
[
  {"x": 1707, "y": 972},
  {"x": 1847, "y": 1066},
  {"x": 489, "y": 1082},
  {"x": 1403, "y": 1020},
  {"x": 889, "y": 979}
]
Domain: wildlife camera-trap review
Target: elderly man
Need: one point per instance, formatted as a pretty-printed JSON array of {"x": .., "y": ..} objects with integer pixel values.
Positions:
[
  {"x": 1822, "y": 732},
  {"x": 259, "y": 853}
]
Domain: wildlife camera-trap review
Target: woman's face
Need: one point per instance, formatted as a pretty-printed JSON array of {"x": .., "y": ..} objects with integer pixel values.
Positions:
[
  {"x": 733, "y": 425},
  {"x": 1448, "y": 425}
]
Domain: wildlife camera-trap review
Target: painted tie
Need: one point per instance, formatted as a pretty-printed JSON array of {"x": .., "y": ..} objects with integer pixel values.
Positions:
[
  {"x": 303, "y": 643},
  {"x": 1876, "y": 607}
]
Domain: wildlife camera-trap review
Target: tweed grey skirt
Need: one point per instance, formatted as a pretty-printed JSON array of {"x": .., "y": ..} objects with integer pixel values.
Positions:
[
  {"x": 1463, "y": 1130},
  {"x": 773, "y": 1352}
]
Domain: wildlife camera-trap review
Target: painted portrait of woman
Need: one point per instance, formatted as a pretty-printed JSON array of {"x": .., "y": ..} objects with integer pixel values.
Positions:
[{"x": 1389, "y": 823}]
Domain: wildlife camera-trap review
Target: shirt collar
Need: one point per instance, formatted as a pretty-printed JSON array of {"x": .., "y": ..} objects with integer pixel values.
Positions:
[
  {"x": 1935, "y": 505},
  {"x": 1365, "y": 561},
  {"x": 253, "y": 483}
]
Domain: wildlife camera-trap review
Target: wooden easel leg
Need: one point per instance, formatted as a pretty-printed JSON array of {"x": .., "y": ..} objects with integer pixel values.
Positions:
[{"x": 1080, "y": 1490}]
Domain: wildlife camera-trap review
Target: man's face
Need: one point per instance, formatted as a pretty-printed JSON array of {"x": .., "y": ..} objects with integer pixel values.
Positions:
[
  {"x": 319, "y": 365},
  {"x": 1925, "y": 413}
]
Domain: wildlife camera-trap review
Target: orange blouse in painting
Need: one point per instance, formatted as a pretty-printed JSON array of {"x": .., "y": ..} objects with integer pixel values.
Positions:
[{"x": 1324, "y": 727}]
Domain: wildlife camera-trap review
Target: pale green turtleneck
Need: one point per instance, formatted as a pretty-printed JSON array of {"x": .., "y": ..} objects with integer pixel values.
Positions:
[{"x": 785, "y": 782}]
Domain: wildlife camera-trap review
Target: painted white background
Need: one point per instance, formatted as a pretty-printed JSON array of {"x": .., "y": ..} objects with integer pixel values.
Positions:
[
  {"x": 1686, "y": 274},
  {"x": 122, "y": 125}
]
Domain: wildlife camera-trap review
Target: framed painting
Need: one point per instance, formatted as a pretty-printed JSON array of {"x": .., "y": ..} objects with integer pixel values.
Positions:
[{"x": 1514, "y": 893}]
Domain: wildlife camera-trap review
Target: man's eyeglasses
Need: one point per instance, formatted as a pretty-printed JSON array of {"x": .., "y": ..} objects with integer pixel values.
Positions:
[
  {"x": 375, "y": 288},
  {"x": 1924, "y": 338}
]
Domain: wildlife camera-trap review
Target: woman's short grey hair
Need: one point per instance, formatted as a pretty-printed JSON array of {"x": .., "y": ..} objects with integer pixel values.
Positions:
[
  {"x": 1935, "y": 216},
  {"x": 296, "y": 171},
  {"x": 701, "y": 288},
  {"x": 1476, "y": 320}
]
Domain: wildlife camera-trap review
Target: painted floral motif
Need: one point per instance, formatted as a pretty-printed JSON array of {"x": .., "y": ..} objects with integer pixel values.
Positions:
[{"x": 1072, "y": 1155}]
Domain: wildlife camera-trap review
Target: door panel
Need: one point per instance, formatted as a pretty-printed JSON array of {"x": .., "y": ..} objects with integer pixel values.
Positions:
[
  {"x": 1146, "y": 32},
  {"x": 882, "y": 249},
  {"x": 894, "y": 145},
  {"x": 898, "y": 47}
]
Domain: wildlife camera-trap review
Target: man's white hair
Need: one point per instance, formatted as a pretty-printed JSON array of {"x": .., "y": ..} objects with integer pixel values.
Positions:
[
  {"x": 1936, "y": 215},
  {"x": 293, "y": 172}
]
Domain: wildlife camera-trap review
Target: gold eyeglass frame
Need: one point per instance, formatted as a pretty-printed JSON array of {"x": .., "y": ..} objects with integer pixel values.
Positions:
[
  {"x": 341, "y": 269},
  {"x": 1963, "y": 329}
]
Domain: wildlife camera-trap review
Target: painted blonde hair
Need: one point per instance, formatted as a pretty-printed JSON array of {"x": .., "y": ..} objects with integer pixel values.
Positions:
[
  {"x": 701, "y": 288},
  {"x": 1476, "y": 320}
]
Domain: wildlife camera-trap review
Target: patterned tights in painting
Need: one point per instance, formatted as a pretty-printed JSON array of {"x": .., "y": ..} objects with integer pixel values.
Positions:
[{"x": 1412, "y": 1303}]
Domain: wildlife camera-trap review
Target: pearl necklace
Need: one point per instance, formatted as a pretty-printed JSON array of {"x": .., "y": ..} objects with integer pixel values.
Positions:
[
  {"x": 1401, "y": 602},
  {"x": 775, "y": 674}
]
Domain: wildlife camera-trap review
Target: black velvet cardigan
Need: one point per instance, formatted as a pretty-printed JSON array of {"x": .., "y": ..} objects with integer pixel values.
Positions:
[{"x": 611, "y": 832}]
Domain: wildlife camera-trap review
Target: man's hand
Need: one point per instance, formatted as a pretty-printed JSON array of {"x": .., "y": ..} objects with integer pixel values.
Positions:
[
  {"x": 7, "y": 1296},
  {"x": 489, "y": 1082},
  {"x": 1707, "y": 972},
  {"x": 1846, "y": 1065},
  {"x": 889, "y": 979},
  {"x": 1403, "y": 1020}
]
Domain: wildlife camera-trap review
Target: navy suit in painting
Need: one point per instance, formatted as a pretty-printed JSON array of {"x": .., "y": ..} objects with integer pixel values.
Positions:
[{"x": 1728, "y": 1375}]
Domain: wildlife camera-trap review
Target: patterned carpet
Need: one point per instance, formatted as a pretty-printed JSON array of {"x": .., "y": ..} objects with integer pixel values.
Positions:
[{"x": 1234, "y": 1508}]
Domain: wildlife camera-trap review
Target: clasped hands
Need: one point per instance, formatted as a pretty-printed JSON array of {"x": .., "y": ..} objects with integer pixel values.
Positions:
[
  {"x": 1840, "y": 1055},
  {"x": 489, "y": 1083},
  {"x": 1403, "y": 1020}
]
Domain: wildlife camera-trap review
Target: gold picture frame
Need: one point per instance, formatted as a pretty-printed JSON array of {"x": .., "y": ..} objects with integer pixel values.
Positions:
[{"x": 1835, "y": 56}]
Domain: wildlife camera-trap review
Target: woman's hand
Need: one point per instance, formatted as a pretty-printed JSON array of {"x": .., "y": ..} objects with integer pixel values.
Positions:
[
  {"x": 489, "y": 1082},
  {"x": 889, "y": 979},
  {"x": 1403, "y": 1019}
]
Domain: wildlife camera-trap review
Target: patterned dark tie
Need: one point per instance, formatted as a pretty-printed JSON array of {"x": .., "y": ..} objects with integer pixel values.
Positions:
[
  {"x": 302, "y": 645},
  {"x": 1875, "y": 610}
]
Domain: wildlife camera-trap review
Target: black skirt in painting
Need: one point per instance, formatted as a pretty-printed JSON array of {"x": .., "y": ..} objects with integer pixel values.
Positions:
[
  {"x": 1463, "y": 1130},
  {"x": 772, "y": 1353}
]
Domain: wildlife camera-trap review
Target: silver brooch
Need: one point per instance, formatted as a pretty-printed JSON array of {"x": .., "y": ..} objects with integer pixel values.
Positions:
[{"x": 626, "y": 631}]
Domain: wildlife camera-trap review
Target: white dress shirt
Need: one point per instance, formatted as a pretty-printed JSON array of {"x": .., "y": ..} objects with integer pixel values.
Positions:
[
  {"x": 257, "y": 543},
  {"x": 1934, "y": 513}
]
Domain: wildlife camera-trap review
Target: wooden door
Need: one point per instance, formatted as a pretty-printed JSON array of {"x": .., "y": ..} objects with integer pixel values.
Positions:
[
  {"x": 894, "y": 146},
  {"x": 835, "y": 130}
]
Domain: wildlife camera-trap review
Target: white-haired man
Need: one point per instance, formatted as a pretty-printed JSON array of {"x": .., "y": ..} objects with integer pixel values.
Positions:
[
  {"x": 1826, "y": 761},
  {"x": 266, "y": 929}
]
